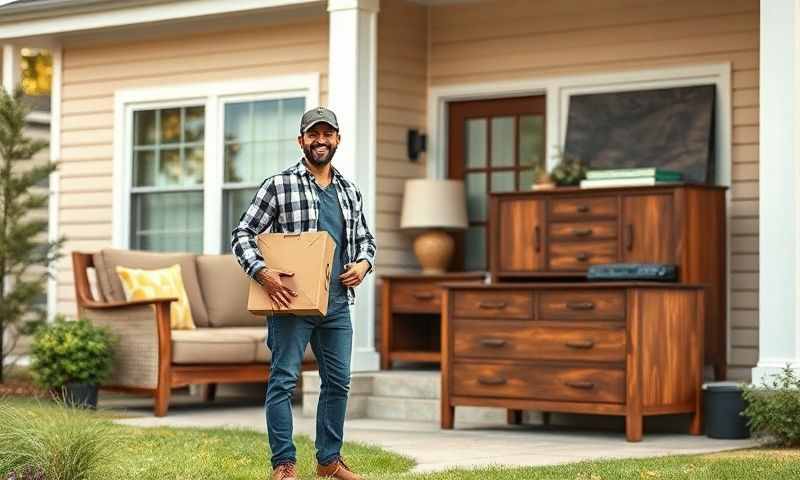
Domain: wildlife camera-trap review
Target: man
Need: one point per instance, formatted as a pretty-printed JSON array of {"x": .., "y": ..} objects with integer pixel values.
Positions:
[{"x": 310, "y": 196}]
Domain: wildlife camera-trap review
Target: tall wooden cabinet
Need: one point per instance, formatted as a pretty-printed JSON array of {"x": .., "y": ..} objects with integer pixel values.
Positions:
[{"x": 559, "y": 233}]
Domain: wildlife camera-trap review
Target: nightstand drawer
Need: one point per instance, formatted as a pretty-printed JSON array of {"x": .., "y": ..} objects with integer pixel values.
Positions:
[
  {"x": 541, "y": 382},
  {"x": 583, "y": 230},
  {"x": 416, "y": 297},
  {"x": 591, "y": 207},
  {"x": 579, "y": 256},
  {"x": 493, "y": 304},
  {"x": 521, "y": 340},
  {"x": 582, "y": 305}
]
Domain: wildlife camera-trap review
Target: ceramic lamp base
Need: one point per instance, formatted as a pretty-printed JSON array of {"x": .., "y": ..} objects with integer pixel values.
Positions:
[{"x": 434, "y": 249}]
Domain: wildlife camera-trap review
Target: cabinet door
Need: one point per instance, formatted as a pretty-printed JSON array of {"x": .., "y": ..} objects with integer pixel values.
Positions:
[
  {"x": 521, "y": 235},
  {"x": 648, "y": 234}
]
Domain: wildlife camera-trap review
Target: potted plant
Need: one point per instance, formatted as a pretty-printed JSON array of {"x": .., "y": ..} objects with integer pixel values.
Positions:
[
  {"x": 569, "y": 171},
  {"x": 71, "y": 358},
  {"x": 541, "y": 179}
]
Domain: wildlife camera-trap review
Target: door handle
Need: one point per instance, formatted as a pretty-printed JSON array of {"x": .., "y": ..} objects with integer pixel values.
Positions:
[
  {"x": 582, "y": 232},
  {"x": 580, "y": 385},
  {"x": 580, "y": 305},
  {"x": 537, "y": 238},
  {"x": 492, "y": 380},
  {"x": 585, "y": 344},
  {"x": 492, "y": 342},
  {"x": 492, "y": 305},
  {"x": 629, "y": 237}
]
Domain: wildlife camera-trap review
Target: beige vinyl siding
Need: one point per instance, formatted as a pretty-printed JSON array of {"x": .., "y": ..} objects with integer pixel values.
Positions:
[
  {"x": 91, "y": 75},
  {"x": 402, "y": 91},
  {"x": 514, "y": 39}
]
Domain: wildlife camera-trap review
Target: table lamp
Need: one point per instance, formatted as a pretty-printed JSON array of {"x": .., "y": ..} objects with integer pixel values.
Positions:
[{"x": 432, "y": 208}]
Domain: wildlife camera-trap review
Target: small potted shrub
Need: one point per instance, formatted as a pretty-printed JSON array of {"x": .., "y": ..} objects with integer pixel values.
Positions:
[
  {"x": 71, "y": 358},
  {"x": 773, "y": 408},
  {"x": 568, "y": 172}
]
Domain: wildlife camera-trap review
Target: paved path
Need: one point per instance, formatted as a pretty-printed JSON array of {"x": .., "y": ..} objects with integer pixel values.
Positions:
[{"x": 434, "y": 449}]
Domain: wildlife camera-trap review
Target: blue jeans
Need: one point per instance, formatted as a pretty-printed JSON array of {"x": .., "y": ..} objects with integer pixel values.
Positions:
[{"x": 331, "y": 341}]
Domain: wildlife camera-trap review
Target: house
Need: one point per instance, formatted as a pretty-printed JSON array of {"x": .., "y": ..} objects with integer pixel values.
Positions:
[{"x": 149, "y": 96}]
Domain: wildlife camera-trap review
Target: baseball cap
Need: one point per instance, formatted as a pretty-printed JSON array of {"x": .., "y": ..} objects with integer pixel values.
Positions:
[{"x": 317, "y": 115}]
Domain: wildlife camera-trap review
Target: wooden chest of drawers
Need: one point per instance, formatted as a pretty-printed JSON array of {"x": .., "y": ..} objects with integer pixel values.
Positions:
[{"x": 631, "y": 349}]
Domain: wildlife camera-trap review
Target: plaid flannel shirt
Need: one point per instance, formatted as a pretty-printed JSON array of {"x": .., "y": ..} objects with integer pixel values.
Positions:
[{"x": 288, "y": 203}]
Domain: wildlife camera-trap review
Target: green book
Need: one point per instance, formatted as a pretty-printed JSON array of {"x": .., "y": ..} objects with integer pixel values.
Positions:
[{"x": 657, "y": 173}]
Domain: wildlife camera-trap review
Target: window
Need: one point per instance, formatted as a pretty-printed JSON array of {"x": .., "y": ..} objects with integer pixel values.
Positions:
[
  {"x": 167, "y": 190},
  {"x": 260, "y": 139}
]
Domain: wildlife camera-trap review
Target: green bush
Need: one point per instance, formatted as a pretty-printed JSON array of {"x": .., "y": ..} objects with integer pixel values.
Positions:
[
  {"x": 71, "y": 352},
  {"x": 773, "y": 408},
  {"x": 55, "y": 444}
]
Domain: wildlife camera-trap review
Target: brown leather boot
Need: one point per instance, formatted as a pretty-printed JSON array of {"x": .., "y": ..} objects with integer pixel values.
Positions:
[
  {"x": 337, "y": 469},
  {"x": 285, "y": 471}
]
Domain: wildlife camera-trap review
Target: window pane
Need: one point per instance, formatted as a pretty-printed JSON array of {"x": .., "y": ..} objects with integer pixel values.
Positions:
[
  {"x": 526, "y": 179},
  {"x": 475, "y": 246},
  {"x": 267, "y": 160},
  {"x": 193, "y": 166},
  {"x": 267, "y": 120},
  {"x": 167, "y": 222},
  {"x": 475, "y": 146},
  {"x": 144, "y": 168},
  {"x": 171, "y": 125},
  {"x": 292, "y": 111},
  {"x": 238, "y": 126},
  {"x": 234, "y": 204},
  {"x": 531, "y": 140},
  {"x": 194, "y": 126},
  {"x": 238, "y": 162},
  {"x": 503, "y": 141},
  {"x": 476, "y": 196},
  {"x": 144, "y": 127},
  {"x": 503, "y": 181},
  {"x": 169, "y": 168}
]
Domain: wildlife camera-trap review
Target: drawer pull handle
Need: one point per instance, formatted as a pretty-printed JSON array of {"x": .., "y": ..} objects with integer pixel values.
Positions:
[
  {"x": 492, "y": 342},
  {"x": 580, "y": 385},
  {"x": 583, "y": 209},
  {"x": 582, "y": 257},
  {"x": 537, "y": 238},
  {"x": 582, "y": 232},
  {"x": 585, "y": 344},
  {"x": 492, "y": 380},
  {"x": 580, "y": 305},
  {"x": 423, "y": 295},
  {"x": 492, "y": 305},
  {"x": 629, "y": 237}
]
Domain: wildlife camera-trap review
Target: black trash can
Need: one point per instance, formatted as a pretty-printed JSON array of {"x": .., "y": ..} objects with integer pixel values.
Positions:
[{"x": 723, "y": 403}]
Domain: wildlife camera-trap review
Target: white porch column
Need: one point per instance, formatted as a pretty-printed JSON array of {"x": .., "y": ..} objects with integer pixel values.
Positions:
[
  {"x": 11, "y": 67},
  {"x": 352, "y": 72},
  {"x": 779, "y": 188}
]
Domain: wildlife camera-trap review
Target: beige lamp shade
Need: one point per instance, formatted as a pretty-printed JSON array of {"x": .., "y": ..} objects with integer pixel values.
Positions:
[{"x": 434, "y": 204}]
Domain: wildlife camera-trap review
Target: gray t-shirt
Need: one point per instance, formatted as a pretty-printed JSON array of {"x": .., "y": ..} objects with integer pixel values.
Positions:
[{"x": 332, "y": 221}]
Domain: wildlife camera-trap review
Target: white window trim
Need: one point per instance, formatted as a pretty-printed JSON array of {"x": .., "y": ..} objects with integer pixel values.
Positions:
[
  {"x": 558, "y": 90},
  {"x": 212, "y": 96}
]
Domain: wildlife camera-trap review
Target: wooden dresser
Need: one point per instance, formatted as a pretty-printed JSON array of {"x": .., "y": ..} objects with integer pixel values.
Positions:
[
  {"x": 631, "y": 349},
  {"x": 410, "y": 320},
  {"x": 559, "y": 233}
]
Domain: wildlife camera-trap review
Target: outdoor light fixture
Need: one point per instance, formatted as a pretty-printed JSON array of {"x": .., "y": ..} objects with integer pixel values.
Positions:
[{"x": 416, "y": 144}]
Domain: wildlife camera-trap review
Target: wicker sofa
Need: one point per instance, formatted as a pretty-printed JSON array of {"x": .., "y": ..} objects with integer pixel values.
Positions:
[{"x": 228, "y": 345}]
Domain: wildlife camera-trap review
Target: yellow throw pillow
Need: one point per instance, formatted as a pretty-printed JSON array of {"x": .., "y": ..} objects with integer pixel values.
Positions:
[{"x": 163, "y": 283}]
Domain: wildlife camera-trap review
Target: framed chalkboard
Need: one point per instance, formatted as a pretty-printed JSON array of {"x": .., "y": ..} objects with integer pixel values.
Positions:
[{"x": 669, "y": 128}]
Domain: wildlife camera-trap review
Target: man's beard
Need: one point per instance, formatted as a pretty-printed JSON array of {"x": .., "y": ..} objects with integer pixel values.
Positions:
[{"x": 312, "y": 156}]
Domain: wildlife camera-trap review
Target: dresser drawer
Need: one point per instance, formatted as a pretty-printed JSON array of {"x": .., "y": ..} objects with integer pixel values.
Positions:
[
  {"x": 579, "y": 256},
  {"x": 521, "y": 340},
  {"x": 493, "y": 304},
  {"x": 416, "y": 297},
  {"x": 541, "y": 382},
  {"x": 583, "y": 230},
  {"x": 591, "y": 207},
  {"x": 582, "y": 305}
]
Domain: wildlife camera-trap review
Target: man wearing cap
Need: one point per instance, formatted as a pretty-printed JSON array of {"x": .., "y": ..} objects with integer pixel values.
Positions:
[{"x": 312, "y": 195}]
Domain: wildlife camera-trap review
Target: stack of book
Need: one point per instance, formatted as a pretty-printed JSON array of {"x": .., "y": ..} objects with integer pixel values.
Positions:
[{"x": 629, "y": 177}]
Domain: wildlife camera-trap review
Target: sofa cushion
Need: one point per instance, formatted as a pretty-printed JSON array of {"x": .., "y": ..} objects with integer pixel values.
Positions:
[
  {"x": 150, "y": 261},
  {"x": 102, "y": 279},
  {"x": 225, "y": 287},
  {"x": 259, "y": 334},
  {"x": 160, "y": 283},
  {"x": 212, "y": 345}
]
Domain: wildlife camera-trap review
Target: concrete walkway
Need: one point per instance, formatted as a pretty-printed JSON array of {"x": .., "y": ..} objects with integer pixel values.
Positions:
[{"x": 469, "y": 445}]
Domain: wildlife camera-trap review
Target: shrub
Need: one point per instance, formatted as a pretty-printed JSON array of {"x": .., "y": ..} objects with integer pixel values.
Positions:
[
  {"x": 55, "y": 444},
  {"x": 71, "y": 352},
  {"x": 773, "y": 408}
]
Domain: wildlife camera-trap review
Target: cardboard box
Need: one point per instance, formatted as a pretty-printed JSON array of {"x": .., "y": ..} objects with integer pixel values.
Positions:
[{"x": 309, "y": 255}]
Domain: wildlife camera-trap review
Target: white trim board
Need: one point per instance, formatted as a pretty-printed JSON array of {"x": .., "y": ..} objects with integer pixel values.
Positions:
[
  {"x": 212, "y": 96},
  {"x": 55, "y": 183},
  {"x": 558, "y": 90}
]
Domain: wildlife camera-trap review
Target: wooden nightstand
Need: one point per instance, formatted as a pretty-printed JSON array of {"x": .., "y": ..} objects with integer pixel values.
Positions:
[{"x": 411, "y": 316}]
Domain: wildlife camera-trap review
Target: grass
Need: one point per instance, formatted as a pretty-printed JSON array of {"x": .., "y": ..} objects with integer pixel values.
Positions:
[{"x": 236, "y": 454}]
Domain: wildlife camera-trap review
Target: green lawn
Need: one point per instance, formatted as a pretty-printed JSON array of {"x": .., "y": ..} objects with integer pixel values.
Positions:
[{"x": 229, "y": 454}]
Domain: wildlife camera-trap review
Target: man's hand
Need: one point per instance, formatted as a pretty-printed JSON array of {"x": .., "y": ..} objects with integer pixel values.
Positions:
[
  {"x": 354, "y": 273},
  {"x": 279, "y": 293}
]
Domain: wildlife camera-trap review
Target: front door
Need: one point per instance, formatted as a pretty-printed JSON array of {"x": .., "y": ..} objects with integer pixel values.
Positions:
[{"x": 494, "y": 146}]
